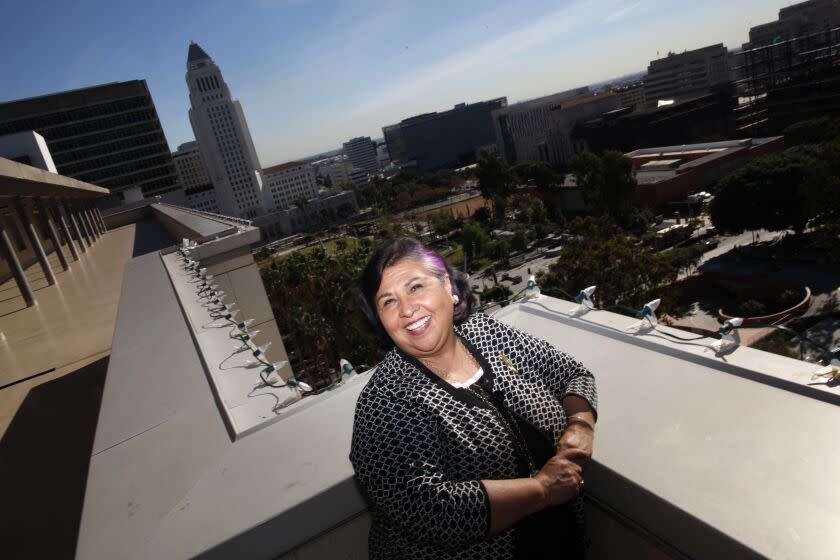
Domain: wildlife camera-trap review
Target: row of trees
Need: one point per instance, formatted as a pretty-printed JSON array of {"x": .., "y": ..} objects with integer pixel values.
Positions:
[
  {"x": 625, "y": 271},
  {"x": 406, "y": 190},
  {"x": 793, "y": 189},
  {"x": 312, "y": 295},
  {"x": 608, "y": 186},
  {"x": 497, "y": 181}
]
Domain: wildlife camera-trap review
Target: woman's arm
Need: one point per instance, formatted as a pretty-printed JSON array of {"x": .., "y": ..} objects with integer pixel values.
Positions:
[
  {"x": 567, "y": 379},
  {"x": 511, "y": 500},
  {"x": 562, "y": 374},
  {"x": 400, "y": 465},
  {"x": 580, "y": 427}
]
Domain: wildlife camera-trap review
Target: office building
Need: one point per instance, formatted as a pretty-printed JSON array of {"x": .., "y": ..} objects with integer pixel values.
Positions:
[
  {"x": 804, "y": 18},
  {"x": 686, "y": 74},
  {"x": 328, "y": 207},
  {"x": 383, "y": 159},
  {"x": 290, "y": 182},
  {"x": 708, "y": 116},
  {"x": 788, "y": 81},
  {"x": 223, "y": 138},
  {"x": 540, "y": 129},
  {"x": 447, "y": 139},
  {"x": 193, "y": 178},
  {"x": 631, "y": 95},
  {"x": 108, "y": 135},
  {"x": 669, "y": 173},
  {"x": 337, "y": 169},
  {"x": 361, "y": 152}
]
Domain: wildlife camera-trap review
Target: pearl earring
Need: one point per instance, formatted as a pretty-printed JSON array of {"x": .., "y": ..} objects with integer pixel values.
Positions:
[{"x": 455, "y": 299}]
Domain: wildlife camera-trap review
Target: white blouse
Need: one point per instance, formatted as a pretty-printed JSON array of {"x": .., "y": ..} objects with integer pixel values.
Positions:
[{"x": 470, "y": 381}]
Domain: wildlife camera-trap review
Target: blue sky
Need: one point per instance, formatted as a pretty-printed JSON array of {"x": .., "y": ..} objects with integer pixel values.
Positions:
[{"x": 311, "y": 74}]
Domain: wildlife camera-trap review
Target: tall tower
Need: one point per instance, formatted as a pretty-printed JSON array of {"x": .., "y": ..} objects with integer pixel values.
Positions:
[{"x": 224, "y": 139}]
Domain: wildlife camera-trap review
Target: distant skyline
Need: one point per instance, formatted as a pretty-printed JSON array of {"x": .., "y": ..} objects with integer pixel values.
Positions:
[{"x": 312, "y": 74}]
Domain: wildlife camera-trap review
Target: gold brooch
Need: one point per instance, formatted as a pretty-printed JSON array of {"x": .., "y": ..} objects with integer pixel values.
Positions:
[{"x": 505, "y": 360}]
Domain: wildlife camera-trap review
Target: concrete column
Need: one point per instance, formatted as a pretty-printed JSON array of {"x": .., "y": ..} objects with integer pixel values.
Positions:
[
  {"x": 80, "y": 217},
  {"x": 92, "y": 211},
  {"x": 95, "y": 213},
  {"x": 94, "y": 228},
  {"x": 11, "y": 257},
  {"x": 47, "y": 220},
  {"x": 101, "y": 220},
  {"x": 65, "y": 229},
  {"x": 35, "y": 241},
  {"x": 76, "y": 227}
]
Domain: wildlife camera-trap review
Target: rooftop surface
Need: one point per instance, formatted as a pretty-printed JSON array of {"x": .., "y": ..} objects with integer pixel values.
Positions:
[
  {"x": 714, "y": 455},
  {"x": 167, "y": 480},
  {"x": 72, "y": 324}
]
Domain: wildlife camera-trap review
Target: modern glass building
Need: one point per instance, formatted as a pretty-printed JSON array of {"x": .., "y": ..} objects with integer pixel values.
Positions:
[
  {"x": 451, "y": 138},
  {"x": 108, "y": 135}
]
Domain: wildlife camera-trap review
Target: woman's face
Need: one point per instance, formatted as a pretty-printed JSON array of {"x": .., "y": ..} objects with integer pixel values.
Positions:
[{"x": 415, "y": 308}]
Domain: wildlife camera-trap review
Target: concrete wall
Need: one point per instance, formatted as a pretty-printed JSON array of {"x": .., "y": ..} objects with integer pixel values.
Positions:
[{"x": 611, "y": 536}]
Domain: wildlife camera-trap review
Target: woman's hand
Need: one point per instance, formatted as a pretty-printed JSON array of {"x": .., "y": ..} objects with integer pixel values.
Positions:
[
  {"x": 577, "y": 437},
  {"x": 580, "y": 428},
  {"x": 560, "y": 477}
]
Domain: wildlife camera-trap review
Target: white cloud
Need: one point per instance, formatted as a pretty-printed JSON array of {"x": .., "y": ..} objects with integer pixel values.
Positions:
[{"x": 621, "y": 13}]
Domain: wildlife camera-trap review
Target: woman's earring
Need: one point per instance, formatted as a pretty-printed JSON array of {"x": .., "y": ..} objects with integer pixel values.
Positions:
[{"x": 455, "y": 299}]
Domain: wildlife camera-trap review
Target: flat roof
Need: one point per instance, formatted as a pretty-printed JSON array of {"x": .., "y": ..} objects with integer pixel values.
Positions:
[
  {"x": 70, "y": 99},
  {"x": 18, "y": 179},
  {"x": 656, "y": 163},
  {"x": 201, "y": 223},
  {"x": 282, "y": 167}
]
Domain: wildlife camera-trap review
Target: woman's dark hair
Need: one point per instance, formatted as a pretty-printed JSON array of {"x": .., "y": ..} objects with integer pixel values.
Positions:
[{"x": 399, "y": 250}]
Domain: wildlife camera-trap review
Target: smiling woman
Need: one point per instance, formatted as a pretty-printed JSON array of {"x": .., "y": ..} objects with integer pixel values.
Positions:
[{"x": 471, "y": 437}]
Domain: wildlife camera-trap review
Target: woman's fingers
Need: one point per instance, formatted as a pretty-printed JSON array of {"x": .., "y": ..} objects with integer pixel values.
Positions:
[
  {"x": 562, "y": 478},
  {"x": 573, "y": 453}
]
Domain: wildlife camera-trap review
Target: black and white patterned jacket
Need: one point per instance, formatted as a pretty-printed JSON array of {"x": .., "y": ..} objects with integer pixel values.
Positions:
[{"x": 421, "y": 447}]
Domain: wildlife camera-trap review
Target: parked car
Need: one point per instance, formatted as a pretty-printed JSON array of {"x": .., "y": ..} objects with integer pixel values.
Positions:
[{"x": 514, "y": 279}]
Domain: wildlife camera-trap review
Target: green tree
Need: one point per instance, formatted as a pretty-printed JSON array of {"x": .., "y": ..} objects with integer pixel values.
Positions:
[
  {"x": 499, "y": 292},
  {"x": 624, "y": 271},
  {"x": 618, "y": 192},
  {"x": 312, "y": 295},
  {"x": 301, "y": 202},
  {"x": 588, "y": 170},
  {"x": 774, "y": 192},
  {"x": 495, "y": 181},
  {"x": 538, "y": 173},
  {"x": 474, "y": 239},
  {"x": 483, "y": 216},
  {"x": 443, "y": 223},
  {"x": 519, "y": 242},
  {"x": 813, "y": 131},
  {"x": 607, "y": 184}
]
